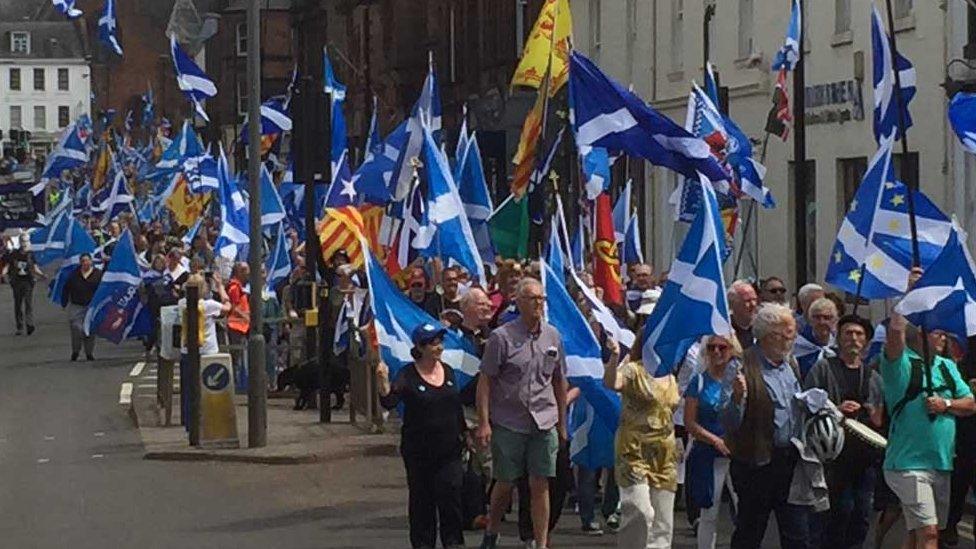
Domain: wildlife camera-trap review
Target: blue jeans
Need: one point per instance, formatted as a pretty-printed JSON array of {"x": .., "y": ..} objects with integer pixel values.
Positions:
[
  {"x": 851, "y": 488},
  {"x": 764, "y": 490},
  {"x": 586, "y": 482}
]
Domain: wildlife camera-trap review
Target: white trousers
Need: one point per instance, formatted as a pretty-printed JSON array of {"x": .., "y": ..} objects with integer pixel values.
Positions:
[
  {"x": 708, "y": 519},
  {"x": 646, "y": 517}
]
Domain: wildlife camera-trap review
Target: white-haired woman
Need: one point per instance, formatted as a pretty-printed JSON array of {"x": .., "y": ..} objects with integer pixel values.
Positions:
[{"x": 707, "y": 465}]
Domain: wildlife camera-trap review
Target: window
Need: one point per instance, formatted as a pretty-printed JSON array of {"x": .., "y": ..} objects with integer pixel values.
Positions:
[
  {"x": 677, "y": 34},
  {"x": 63, "y": 79},
  {"x": 850, "y": 171},
  {"x": 242, "y": 39},
  {"x": 908, "y": 172},
  {"x": 20, "y": 42},
  {"x": 242, "y": 99},
  {"x": 903, "y": 8},
  {"x": 596, "y": 22},
  {"x": 39, "y": 79},
  {"x": 64, "y": 116},
  {"x": 842, "y": 16},
  {"x": 15, "y": 79},
  {"x": 745, "y": 28},
  {"x": 16, "y": 120},
  {"x": 805, "y": 228},
  {"x": 40, "y": 118}
]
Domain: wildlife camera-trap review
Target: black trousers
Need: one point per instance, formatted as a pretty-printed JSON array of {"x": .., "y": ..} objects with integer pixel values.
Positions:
[
  {"x": 435, "y": 494},
  {"x": 23, "y": 302},
  {"x": 762, "y": 491},
  {"x": 963, "y": 480},
  {"x": 559, "y": 486}
]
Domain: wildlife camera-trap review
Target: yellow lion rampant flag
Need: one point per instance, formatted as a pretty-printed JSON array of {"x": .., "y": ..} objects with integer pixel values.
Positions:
[
  {"x": 550, "y": 37},
  {"x": 186, "y": 206}
]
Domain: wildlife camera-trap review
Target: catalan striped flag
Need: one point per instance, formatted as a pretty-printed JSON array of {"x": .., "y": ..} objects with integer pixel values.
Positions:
[{"x": 341, "y": 229}]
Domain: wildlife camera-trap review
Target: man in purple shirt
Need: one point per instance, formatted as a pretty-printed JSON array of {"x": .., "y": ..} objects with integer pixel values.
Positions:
[{"x": 522, "y": 408}]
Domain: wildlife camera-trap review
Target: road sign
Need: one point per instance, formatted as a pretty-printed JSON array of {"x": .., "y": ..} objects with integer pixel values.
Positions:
[{"x": 218, "y": 414}]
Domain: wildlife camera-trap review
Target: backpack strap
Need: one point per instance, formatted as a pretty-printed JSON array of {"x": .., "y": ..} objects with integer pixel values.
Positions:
[{"x": 913, "y": 390}]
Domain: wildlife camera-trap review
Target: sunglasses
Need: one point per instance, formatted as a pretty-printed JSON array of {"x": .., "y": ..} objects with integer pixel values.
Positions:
[
  {"x": 776, "y": 290},
  {"x": 716, "y": 347}
]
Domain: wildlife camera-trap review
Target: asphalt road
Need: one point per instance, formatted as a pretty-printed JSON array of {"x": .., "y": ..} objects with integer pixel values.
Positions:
[{"x": 72, "y": 473}]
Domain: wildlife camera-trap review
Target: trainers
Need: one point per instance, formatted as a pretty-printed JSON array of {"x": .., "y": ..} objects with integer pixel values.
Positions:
[
  {"x": 490, "y": 541},
  {"x": 74, "y": 357},
  {"x": 30, "y": 330},
  {"x": 613, "y": 522},
  {"x": 592, "y": 529}
]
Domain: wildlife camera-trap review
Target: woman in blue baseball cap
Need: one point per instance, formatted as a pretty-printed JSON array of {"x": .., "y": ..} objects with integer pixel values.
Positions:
[{"x": 431, "y": 439}]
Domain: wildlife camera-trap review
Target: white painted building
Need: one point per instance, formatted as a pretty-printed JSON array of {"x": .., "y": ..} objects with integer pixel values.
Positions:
[
  {"x": 44, "y": 80},
  {"x": 657, "y": 45}
]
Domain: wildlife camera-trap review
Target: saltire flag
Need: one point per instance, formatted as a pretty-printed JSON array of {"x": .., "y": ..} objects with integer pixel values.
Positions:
[
  {"x": 595, "y": 163},
  {"x": 373, "y": 177},
  {"x": 402, "y": 252},
  {"x": 446, "y": 232},
  {"x": 70, "y": 153},
  {"x": 547, "y": 48},
  {"x": 147, "y": 212},
  {"x": 509, "y": 226},
  {"x": 602, "y": 314},
  {"x": 886, "y": 117},
  {"x": 184, "y": 145},
  {"x": 605, "y": 114},
  {"x": 807, "y": 352},
  {"x": 274, "y": 118},
  {"x": 293, "y": 197},
  {"x": 584, "y": 362},
  {"x": 48, "y": 242},
  {"x": 79, "y": 243},
  {"x": 621, "y": 213},
  {"x": 780, "y": 118},
  {"x": 119, "y": 198},
  {"x": 192, "y": 233},
  {"x": 524, "y": 158},
  {"x": 107, "y": 27},
  {"x": 945, "y": 297},
  {"x": 186, "y": 205},
  {"x": 693, "y": 302},
  {"x": 116, "y": 311},
  {"x": 192, "y": 81},
  {"x": 67, "y": 8},
  {"x": 426, "y": 113},
  {"x": 606, "y": 259},
  {"x": 577, "y": 247},
  {"x": 462, "y": 143},
  {"x": 476, "y": 197},
  {"x": 148, "y": 108},
  {"x": 234, "y": 238},
  {"x": 272, "y": 208},
  {"x": 789, "y": 54},
  {"x": 873, "y": 244},
  {"x": 631, "y": 251},
  {"x": 554, "y": 250},
  {"x": 201, "y": 173},
  {"x": 962, "y": 117},
  {"x": 278, "y": 264},
  {"x": 81, "y": 202},
  {"x": 395, "y": 317},
  {"x": 331, "y": 84}
]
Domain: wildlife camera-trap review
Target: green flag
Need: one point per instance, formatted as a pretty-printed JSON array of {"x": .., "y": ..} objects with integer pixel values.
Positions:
[{"x": 510, "y": 229}]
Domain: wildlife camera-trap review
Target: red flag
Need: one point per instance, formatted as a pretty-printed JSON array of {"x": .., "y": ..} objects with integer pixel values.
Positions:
[
  {"x": 606, "y": 261},
  {"x": 780, "y": 117}
]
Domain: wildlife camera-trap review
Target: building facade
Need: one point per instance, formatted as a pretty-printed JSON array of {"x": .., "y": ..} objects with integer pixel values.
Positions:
[
  {"x": 45, "y": 82},
  {"x": 662, "y": 51}
]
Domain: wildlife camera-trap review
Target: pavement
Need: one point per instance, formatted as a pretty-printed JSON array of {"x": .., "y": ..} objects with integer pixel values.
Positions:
[{"x": 74, "y": 473}]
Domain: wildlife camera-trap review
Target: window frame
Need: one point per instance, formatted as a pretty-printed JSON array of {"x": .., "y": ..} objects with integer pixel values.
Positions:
[
  {"x": 67, "y": 79},
  {"x": 42, "y": 111},
  {"x": 19, "y": 109},
  {"x": 746, "y": 41},
  {"x": 65, "y": 120},
  {"x": 240, "y": 37},
  {"x": 17, "y": 36},
  {"x": 40, "y": 72},
  {"x": 20, "y": 79}
]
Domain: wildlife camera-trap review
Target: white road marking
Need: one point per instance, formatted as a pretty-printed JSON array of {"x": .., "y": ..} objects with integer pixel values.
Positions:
[
  {"x": 99, "y": 434},
  {"x": 125, "y": 394},
  {"x": 97, "y": 456},
  {"x": 137, "y": 369},
  {"x": 146, "y": 386},
  {"x": 48, "y": 437},
  {"x": 43, "y": 460}
]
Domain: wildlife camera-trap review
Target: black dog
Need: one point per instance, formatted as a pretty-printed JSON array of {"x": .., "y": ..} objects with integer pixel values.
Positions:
[{"x": 305, "y": 378}]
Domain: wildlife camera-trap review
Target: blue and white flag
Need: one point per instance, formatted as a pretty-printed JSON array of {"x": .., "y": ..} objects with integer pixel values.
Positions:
[
  {"x": 632, "y": 251},
  {"x": 476, "y": 197},
  {"x": 148, "y": 108},
  {"x": 426, "y": 113},
  {"x": 192, "y": 81},
  {"x": 107, "y": 27},
  {"x": 373, "y": 178},
  {"x": 71, "y": 151},
  {"x": 962, "y": 116},
  {"x": 554, "y": 250},
  {"x": 693, "y": 302},
  {"x": 272, "y": 208},
  {"x": 118, "y": 200},
  {"x": 595, "y": 162},
  {"x": 67, "y": 8},
  {"x": 233, "y": 240},
  {"x": 81, "y": 203},
  {"x": 605, "y": 114},
  {"x": 79, "y": 242},
  {"x": 874, "y": 241},
  {"x": 602, "y": 314},
  {"x": 446, "y": 232},
  {"x": 621, "y": 213},
  {"x": 116, "y": 311},
  {"x": 274, "y": 118},
  {"x": 886, "y": 118},
  {"x": 201, "y": 173},
  {"x": 395, "y": 318},
  {"x": 789, "y": 55},
  {"x": 577, "y": 247},
  {"x": 278, "y": 263},
  {"x": 945, "y": 297},
  {"x": 184, "y": 146},
  {"x": 48, "y": 242},
  {"x": 331, "y": 84},
  {"x": 808, "y": 352},
  {"x": 584, "y": 362},
  {"x": 192, "y": 233}
]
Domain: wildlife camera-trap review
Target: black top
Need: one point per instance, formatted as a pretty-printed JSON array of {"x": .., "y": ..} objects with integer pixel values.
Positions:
[
  {"x": 21, "y": 265},
  {"x": 433, "y": 420},
  {"x": 79, "y": 290}
]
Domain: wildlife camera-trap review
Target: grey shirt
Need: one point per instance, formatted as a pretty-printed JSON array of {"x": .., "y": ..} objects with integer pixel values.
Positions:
[
  {"x": 520, "y": 368},
  {"x": 781, "y": 385}
]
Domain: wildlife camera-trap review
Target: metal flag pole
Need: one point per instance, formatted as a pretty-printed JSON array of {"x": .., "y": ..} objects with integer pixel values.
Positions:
[
  {"x": 257, "y": 396},
  {"x": 912, "y": 184}
]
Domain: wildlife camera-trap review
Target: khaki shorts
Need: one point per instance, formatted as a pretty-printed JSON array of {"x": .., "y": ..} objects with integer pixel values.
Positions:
[
  {"x": 513, "y": 455},
  {"x": 924, "y": 496}
]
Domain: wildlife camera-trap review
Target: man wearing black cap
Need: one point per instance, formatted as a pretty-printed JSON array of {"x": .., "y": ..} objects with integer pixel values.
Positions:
[{"x": 856, "y": 390}]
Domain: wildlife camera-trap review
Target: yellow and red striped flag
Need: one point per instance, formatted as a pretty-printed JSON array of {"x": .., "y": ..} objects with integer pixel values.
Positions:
[
  {"x": 344, "y": 226},
  {"x": 524, "y": 159}
]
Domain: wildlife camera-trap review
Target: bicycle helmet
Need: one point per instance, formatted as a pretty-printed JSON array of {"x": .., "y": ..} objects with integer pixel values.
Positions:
[{"x": 824, "y": 436}]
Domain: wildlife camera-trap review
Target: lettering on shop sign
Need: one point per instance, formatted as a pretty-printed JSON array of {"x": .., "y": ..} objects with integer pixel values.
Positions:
[{"x": 834, "y": 102}]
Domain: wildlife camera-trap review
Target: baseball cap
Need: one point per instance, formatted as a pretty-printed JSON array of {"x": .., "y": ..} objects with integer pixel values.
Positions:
[{"x": 425, "y": 333}]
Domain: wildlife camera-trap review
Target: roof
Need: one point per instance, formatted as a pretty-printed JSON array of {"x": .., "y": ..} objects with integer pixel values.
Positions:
[
  {"x": 49, "y": 40},
  {"x": 241, "y": 5},
  {"x": 18, "y": 10}
]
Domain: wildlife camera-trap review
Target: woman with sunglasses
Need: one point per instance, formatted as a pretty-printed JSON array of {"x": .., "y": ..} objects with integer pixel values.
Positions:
[
  {"x": 707, "y": 466},
  {"x": 431, "y": 439}
]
